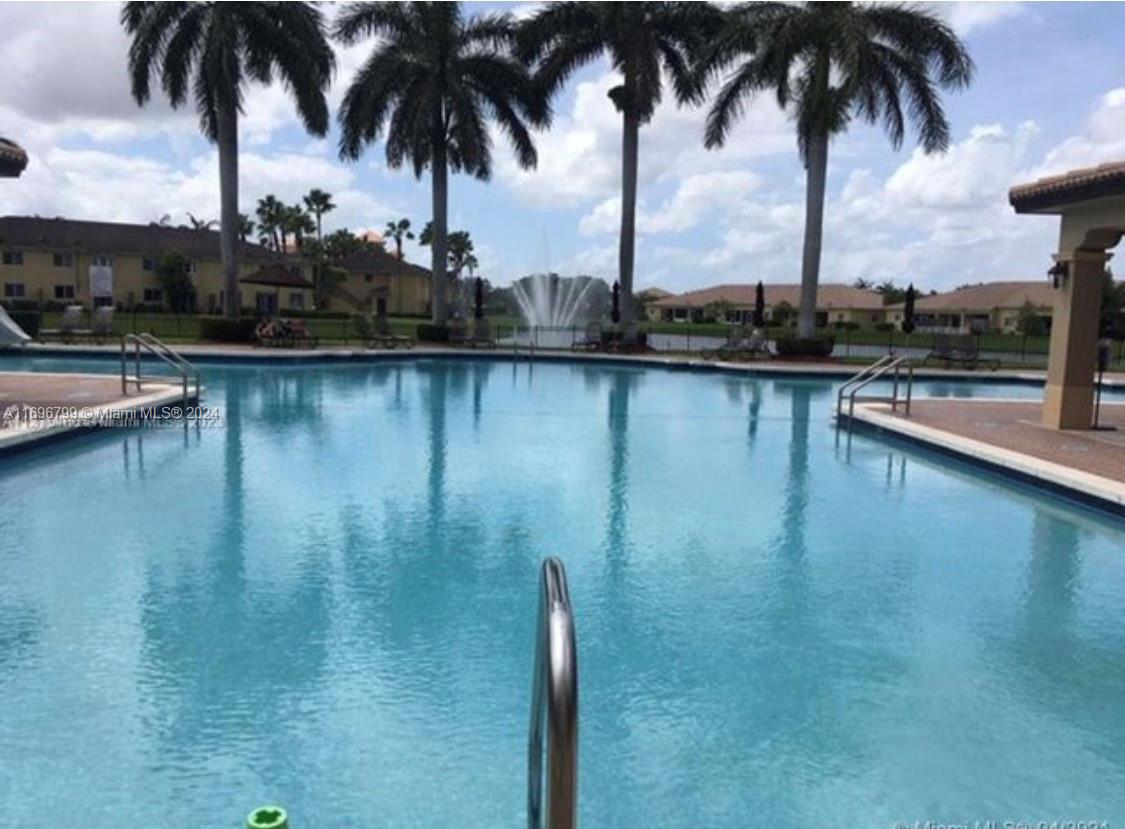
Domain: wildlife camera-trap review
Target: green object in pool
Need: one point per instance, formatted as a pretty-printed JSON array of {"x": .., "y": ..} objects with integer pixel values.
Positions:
[{"x": 267, "y": 817}]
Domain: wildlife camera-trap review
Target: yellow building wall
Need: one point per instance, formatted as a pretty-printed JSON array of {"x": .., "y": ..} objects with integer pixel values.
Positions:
[
  {"x": 408, "y": 294},
  {"x": 40, "y": 276}
]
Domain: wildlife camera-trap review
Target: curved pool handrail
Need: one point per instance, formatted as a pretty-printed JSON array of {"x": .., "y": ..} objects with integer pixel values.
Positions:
[{"x": 554, "y": 707}]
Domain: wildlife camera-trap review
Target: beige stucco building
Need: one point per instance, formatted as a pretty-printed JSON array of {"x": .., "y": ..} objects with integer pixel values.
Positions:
[
  {"x": 990, "y": 307},
  {"x": 835, "y": 304},
  {"x": 63, "y": 261}
]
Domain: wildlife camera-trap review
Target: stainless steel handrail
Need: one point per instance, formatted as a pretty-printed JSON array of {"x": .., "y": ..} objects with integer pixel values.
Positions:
[
  {"x": 855, "y": 384},
  {"x": 161, "y": 350},
  {"x": 554, "y": 704}
]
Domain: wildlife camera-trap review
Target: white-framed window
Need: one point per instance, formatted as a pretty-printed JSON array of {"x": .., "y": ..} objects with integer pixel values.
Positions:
[
  {"x": 12, "y": 257},
  {"x": 64, "y": 292},
  {"x": 102, "y": 260},
  {"x": 679, "y": 314},
  {"x": 13, "y": 290},
  {"x": 63, "y": 260},
  {"x": 296, "y": 299},
  {"x": 154, "y": 295}
]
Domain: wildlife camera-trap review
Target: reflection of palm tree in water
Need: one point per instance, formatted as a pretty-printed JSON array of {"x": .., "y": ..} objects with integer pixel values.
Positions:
[{"x": 212, "y": 644}]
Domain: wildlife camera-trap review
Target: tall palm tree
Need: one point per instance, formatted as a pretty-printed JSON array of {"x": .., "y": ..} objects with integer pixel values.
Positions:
[
  {"x": 431, "y": 84},
  {"x": 832, "y": 63},
  {"x": 642, "y": 41},
  {"x": 318, "y": 202},
  {"x": 208, "y": 52},
  {"x": 398, "y": 231}
]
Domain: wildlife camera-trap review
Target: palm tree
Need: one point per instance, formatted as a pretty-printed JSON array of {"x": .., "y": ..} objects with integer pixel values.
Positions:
[
  {"x": 297, "y": 223},
  {"x": 643, "y": 41},
  {"x": 270, "y": 214},
  {"x": 208, "y": 52},
  {"x": 832, "y": 63},
  {"x": 461, "y": 253},
  {"x": 202, "y": 224},
  {"x": 245, "y": 227},
  {"x": 318, "y": 202},
  {"x": 431, "y": 84},
  {"x": 398, "y": 231}
]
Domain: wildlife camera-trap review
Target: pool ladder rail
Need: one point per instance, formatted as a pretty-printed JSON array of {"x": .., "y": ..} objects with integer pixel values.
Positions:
[
  {"x": 187, "y": 371},
  {"x": 869, "y": 374},
  {"x": 554, "y": 707}
]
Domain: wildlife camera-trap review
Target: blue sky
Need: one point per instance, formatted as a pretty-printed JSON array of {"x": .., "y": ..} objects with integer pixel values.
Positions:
[{"x": 1049, "y": 96}]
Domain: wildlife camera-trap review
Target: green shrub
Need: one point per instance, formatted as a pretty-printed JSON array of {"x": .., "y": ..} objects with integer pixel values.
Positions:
[
  {"x": 20, "y": 305},
  {"x": 884, "y": 327},
  {"x": 224, "y": 330},
  {"x": 806, "y": 347},
  {"x": 306, "y": 313},
  {"x": 28, "y": 321},
  {"x": 429, "y": 333}
]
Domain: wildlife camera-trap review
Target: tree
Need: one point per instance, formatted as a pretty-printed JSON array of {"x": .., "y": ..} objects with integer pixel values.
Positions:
[
  {"x": 432, "y": 83},
  {"x": 461, "y": 253},
  {"x": 208, "y": 52},
  {"x": 297, "y": 223},
  {"x": 202, "y": 224},
  {"x": 1030, "y": 322},
  {"x": 890, "y": 292},
  {"x": 908, "y": 310},
  {"x": 318, "y": 202},
  {"x": 245, "y": 227},
  {"x": 831, "y": 63},
  {"x": 863, "y": 284},
  {"x": 759, "y": 305},
  {"x": 398, "y": 231},
  {"x": 718, "y": 311},
  {"x": 173, "y": 272},
  {"x": 643, "y": 41},
  {"x": 270, "y": 214}
]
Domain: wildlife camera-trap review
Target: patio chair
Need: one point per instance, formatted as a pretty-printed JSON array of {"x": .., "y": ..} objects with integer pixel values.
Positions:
[
  {"x": 942, "y": 350},
  {"x": 70, "y": 327},
  {"x": 103, "y": 323},
  {"x": 482, "y": 334},
  {"x": 458, "y": 334},
  {"x": 272, "y": 332},
  {"x": 386, "y": 336},
  {"x": 592, "y": 339},
  {"x": 299, "y": 333}
]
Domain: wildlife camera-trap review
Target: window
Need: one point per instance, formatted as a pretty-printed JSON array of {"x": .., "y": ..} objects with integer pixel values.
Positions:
[
  {"x": 153, "y": 295},
  {"x": 13, "y": 290},
  {"x": 296, "y": 299},
  {"x": 367, "y": 277},
  {"x": 64, "y": 260},
  {"x": 148, "y": 264},
  {"x": 191, "y": 267},
  {"x": 295, "y": 270},
  {"x": 64, "y": 292},
  {"x": 102, "y": 261},
  {"x": 13, "y": 257}
]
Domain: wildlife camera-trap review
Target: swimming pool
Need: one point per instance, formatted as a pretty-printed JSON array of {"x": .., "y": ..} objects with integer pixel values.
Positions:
[{"x": 330, "y": 601}]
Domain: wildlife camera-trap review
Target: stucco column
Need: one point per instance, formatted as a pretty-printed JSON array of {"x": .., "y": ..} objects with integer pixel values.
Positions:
[{"x": 1068, "y": 402}]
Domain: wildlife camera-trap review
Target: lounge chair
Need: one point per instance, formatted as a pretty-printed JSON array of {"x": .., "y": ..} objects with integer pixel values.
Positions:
[
  {"x": 103, "y": 323},
  {"x": 592, "y": 340},
  {"x": 458, "y": 335},
  {"x": 299, "y": 333},
  {"x": 386, "y": 336},
  {"x": 482, "y": 334},
  {"x": 962, "y": 350},
  {"x": 70, "y": 327},
  {"x": 742, "y": 343},
  {"x": 273, "y": 332}
]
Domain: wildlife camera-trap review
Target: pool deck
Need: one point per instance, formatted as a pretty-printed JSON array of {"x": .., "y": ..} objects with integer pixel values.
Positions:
[
  {"x": 40, "y": 407},
  {"x": 223, "y": 352},
  {"x": 1006, "y": 435}
]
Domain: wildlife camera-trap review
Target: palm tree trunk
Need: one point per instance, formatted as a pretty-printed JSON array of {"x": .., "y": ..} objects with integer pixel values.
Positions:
[
  {"x": 816, "y": 161},
  {"x": 228, "y": 207},
  {"x": 629, "y": 140},
  {"x": 440, "y": 187}
]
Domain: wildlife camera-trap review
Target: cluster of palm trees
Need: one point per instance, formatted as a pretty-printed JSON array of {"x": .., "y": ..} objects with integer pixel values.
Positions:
[{"x": 436, "y": 79}]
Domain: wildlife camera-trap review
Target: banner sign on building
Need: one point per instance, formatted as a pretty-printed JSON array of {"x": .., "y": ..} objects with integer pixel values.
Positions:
[{"x": 101, "y": 280}]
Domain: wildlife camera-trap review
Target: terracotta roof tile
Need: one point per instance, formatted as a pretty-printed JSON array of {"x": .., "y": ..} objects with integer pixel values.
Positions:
[
  {"x": 1071, "y": 186},
  {"x": 986, "y": 297},
  {"x": 828, "y": 296}
]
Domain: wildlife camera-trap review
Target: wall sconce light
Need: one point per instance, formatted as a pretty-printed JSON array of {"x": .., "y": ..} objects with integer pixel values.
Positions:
[{"x": 1058, "y": 273}]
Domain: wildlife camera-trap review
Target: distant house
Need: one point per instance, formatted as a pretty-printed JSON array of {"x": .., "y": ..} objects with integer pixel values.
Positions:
[
  {"x": 107, "y": 263},
  {"x": 988, "y": 307},
  {"x": 835, "y": 303},
  {"x": 377, "y": 280}
]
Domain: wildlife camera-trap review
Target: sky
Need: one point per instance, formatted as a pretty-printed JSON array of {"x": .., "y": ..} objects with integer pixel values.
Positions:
[{"x": 1049, "y": 96}]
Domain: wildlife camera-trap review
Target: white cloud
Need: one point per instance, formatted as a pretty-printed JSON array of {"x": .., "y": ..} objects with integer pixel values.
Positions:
[{"x": 971, "y": 15}]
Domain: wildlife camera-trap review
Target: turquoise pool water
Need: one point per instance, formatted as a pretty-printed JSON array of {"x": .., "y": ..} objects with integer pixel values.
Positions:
[{"x": 329, "y": 602}]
